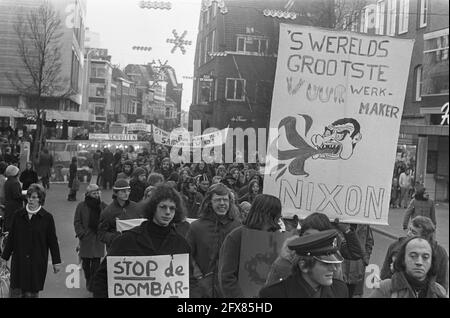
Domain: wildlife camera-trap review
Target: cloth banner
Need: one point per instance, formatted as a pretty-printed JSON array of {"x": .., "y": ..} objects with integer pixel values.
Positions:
[
  {"x": 125, "y": 225},
  {"x": 139, "y": 127},
  {"x": 162, "y": 276},
  {"x": 259, "y": 249},
  {"x": 336, "y": 111},
  {"x": 183, "y": 138}
]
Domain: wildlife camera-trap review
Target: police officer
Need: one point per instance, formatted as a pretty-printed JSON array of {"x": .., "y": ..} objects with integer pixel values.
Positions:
[{"x": 312, "y": 276}]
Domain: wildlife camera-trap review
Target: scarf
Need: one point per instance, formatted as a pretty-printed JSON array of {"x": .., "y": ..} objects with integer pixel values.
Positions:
[
  {"x": 419, "y": 287},
  {"x": 32, "y": 212},
  {"x": 94, "y": 206}
]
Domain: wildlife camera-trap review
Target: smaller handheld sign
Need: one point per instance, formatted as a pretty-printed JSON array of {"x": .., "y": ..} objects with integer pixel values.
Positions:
[{"x": 162, "y": 276}]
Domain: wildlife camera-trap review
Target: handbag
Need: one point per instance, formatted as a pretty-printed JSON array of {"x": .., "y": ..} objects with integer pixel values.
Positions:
[
  {"x": 75, "y": 184},
  {"x": 5, "y": 277}
]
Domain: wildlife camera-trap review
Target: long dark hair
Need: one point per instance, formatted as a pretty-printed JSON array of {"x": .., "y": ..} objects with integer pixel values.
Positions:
[
  {"x": 317, "y": 221},
  {"x": 161, "y": 193},
  {"x": 265, "y": 211},
  {"x": 399, "y": 263}
]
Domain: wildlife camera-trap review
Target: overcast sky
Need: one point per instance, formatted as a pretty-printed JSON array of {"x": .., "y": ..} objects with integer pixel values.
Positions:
[{"x": 123, "y": 24}]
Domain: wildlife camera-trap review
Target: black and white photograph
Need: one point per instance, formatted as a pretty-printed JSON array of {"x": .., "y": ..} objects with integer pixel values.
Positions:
[{"x": 225, "y": 153}]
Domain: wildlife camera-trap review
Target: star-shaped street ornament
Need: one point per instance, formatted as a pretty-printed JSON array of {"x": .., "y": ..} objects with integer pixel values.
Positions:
[{"x": 179, "y": 42}]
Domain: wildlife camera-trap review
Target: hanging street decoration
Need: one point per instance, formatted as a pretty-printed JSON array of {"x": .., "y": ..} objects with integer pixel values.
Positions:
[
  {"x": 142, "y": 48},
  {"x": 155, "y": 5},
  {"x": 206, "y": 4},
  {"x": 280, "y": 14},
  {"x": 179, "y": 42}
]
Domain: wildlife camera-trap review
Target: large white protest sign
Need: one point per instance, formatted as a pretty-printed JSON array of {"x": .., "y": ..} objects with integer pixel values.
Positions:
[
  {"x": 125, "y": 225},
  {"x": 163, "y": 276},
  {"x": 336, "y": 111},
  {"x": 161, "y": 136}
]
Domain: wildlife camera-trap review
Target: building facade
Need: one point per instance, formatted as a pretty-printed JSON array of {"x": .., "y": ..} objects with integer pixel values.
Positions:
[
  {"x": 423, "y": 141},
  {"x": 61, "y": 112}
]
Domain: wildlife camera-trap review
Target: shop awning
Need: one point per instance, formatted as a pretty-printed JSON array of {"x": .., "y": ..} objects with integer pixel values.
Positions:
[
  {"x": 66, "y": 115},
  {"x": 428, "y": 130},
  {"x": 10, "y": 112}
]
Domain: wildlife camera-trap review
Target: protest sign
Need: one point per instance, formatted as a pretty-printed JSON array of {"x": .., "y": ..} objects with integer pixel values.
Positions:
[
  {"x": 125, "y": 225},
  {"x": 259, "y": 249},
  {"x": 161, "y": 136},
  {"x": 139, "y": 127},
  {"x": 337, "y": 104},
  {"x": 162, "y": 276}
]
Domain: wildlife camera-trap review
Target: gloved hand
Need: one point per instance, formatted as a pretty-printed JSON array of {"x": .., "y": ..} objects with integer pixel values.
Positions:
[{"x": 342, "y": 227}]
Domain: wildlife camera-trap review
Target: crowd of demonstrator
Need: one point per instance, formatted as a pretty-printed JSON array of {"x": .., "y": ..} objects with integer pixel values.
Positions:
[{"x": 202, "y": 210}]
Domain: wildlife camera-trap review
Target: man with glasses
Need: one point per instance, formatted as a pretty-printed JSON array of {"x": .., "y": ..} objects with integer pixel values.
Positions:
[
  {"x": 218, "y": 216},
  {"x": 121, "y": 208},
  {"x": 86, "y": 221}
]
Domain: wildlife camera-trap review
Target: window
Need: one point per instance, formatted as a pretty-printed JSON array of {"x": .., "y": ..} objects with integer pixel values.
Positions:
[
  {"x": 234, "y": 89},
  {"x": 391, "y": 17},
  {"x": 403, "y": 17},
  {"x": 206, "y": 89},
  {"x": 75, "y": 72},
  {"x": 252, "y": 44},
  {"x": 98, "y": 71},
  {"x": 363, "y": 25},
  {"x": 99, "y": 110},
  {"x": 354, "y": 24},
  {"x": 379, "y": 23},
  {"x": 206, "y": 47},
  {"x": 435, "y": 63},
  {"x": 9, "y": 100},
  {"x": 423, "y": 12},
  {"x": 200, "y": 54},
  {"x": 418, "y": 83}
]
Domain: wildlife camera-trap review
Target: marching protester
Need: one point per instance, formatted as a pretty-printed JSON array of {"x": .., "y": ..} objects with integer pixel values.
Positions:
[
  {"x": 217, "y": 217},
  {"x": 127, "y": 171},
  {"x": 314, "y": 270},
  {"x": 354, "y": 270},
  {"x": 192, "y": 199},
  {"x": 414, "y": 273},
  {"x": 157, "y": 236},
  {"x": 203, "y": 183},
  {"x": 28, "y": 176},
  {"x": 32, "y": 234},
  {"x": 253, "y": 191},
  {"x": 73, "y": 180},
  {"x": 86, "y": 222},
  {"x": 348, "y": 245},
  {"x": 138, "y": 184},
  {"x": 13, "y": 195},
  {"x": 165, "y": 169},
  {"x": 3, "y": 166},
  {"x": 264, "y": 215},
  {"x": 106, "y": 169},
  {"x": 423, "y": 227},
  {"x": 121, "y": 208},
  {"x": 420, "y": 205},
  {"x": 44, "y": 167},
  {"x": 405, "y": 185}
]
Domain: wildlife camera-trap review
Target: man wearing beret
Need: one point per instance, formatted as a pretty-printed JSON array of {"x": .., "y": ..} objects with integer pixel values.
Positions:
[{"x": 312, "y": 275}]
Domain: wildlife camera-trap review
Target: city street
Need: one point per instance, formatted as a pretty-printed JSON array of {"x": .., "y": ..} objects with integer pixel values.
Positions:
[{"x": 63, "y": 211}]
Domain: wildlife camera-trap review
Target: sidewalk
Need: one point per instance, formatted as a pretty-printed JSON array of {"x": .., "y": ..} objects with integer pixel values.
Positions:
[{"x": 394, "y": 229}]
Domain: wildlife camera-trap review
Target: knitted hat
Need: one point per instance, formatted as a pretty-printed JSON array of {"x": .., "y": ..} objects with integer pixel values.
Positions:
[
  {"x": 11, "y": 171},
  {"x": 91, "y": 188},
  {"x": 138, "y": 171},
  {"x": 121, "y": 184}
]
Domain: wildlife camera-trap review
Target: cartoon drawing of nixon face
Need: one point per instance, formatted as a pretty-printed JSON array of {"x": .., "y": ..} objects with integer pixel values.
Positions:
[{"x": 338, "y": 140}]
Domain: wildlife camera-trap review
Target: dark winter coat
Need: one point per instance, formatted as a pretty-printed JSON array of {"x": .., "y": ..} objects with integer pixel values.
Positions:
[
  {"x": 205, "y": 237},
  {"x": 193, "y": 203},
  {"x": 29, "y": 242},
  {"x": 441, "y": 259},
  {"x": 398, "y": 287},
  {"x": 137, "y": 190},
  {"x": 107, "y": 227},
  {"x": 13, "y": 199},
  {"x": 28, "y": 177},
  {"x": 90, "y": 244},
  {"x": 295, "y": 286},
  {"x": 73, "y": 168},
  {"x": 45, "y": 164},
  {"x": 138, "y": 242}
]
